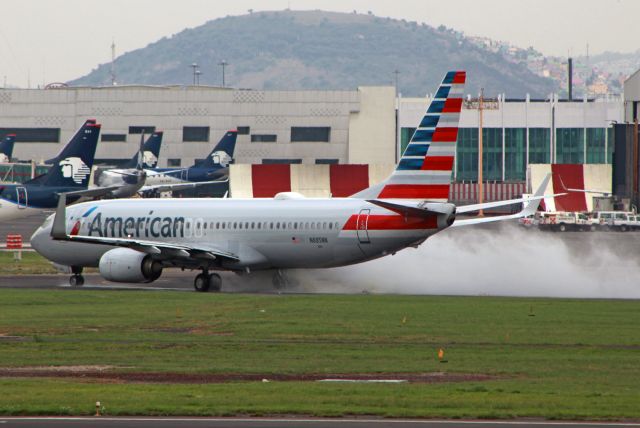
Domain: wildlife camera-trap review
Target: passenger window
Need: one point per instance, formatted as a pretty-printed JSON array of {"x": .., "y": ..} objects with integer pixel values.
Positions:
[
  {"x": 278, "y": 225},
  {"x": 295, "y": 224},
  {"x": 289, "y": 225},
  {"x": 330, "y": 226},
  {"x": 271, "y": 227},
  {"x": 337, "y": 225},
  {"x": 205, "y": 225},
  {"x": 235, "y": 225},
  {"x": 253, "y": 225},
  {"x": 324, "y": 225},
  {"x": 313, "y": 225}
]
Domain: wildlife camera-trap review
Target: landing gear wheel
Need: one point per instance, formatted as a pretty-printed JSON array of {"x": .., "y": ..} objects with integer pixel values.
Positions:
[
  {"x": 215, "y": 282},
  {"x": 202, "y": 282},
  {"x": 76, "y": 280}
]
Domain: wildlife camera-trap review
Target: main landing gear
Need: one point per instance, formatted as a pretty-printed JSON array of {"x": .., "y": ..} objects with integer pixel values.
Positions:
[
  {"x": 76, "y": 280},
  {"x": 205, "y": 281}
]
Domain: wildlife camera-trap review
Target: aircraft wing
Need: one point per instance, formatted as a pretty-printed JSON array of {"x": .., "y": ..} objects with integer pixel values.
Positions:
[
  {"x": 178, "y": 186},
  {"x": 530, "y": 208},
  {"x": 162, "y": 249},
  {"x": 92, "y": 193}
]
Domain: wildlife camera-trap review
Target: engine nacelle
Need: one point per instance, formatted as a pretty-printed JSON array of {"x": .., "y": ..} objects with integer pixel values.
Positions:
[{"x": 126, "y": 265}]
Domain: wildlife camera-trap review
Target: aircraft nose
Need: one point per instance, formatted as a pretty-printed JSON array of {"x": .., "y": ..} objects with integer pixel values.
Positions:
[{"x": 39, "y": 237}]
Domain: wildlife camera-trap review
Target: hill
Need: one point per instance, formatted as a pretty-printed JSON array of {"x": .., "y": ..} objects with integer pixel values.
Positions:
[{"x": 320, "y": 50}]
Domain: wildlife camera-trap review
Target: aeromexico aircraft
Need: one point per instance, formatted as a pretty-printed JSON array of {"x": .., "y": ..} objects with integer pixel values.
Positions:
[
  {"x": 70, "y": 173},
  {"x": 6, "y": 148},
  {"x": 134, "y": 240},
  {"x": 129, "y": 179},
  {"x": 212, "y": 169}
]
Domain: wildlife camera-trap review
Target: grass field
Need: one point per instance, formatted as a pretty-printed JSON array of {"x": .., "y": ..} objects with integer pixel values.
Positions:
[
  {"x": 31, "y": 263},
  {"x": 560, "y": 359}
]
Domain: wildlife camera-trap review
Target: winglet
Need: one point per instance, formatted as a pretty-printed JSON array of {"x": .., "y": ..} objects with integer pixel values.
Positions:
[
  {"x": 534, "y": 203},
  {"x": 59, "y": 228}
]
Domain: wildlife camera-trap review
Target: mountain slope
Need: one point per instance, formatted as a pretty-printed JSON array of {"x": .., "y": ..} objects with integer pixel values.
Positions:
[{"x": 320, "y": 50}]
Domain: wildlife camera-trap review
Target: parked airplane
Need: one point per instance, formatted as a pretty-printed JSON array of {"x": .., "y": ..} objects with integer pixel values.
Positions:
[
  {"x": 129, "y": 179},
  {"x": 70, "y": 172},
  {"x": 212, "y": 169},
  {"x": 6, "y": 148},
  {"x": 134, "y": 240}
]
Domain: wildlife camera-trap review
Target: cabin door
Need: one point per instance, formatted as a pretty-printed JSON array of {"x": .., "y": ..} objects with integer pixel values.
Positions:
[
  {"x": 362, "y": 225},
  {"x": 22, "y": 197}
]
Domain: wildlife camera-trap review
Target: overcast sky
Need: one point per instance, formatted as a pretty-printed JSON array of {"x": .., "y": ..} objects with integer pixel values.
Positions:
[{"x": 45, "y": 41}]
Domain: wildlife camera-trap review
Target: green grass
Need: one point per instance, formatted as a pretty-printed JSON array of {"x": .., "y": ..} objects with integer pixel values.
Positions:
[
  {"x": 31, "y": 263},
  {"x": 574, "y": 359}
]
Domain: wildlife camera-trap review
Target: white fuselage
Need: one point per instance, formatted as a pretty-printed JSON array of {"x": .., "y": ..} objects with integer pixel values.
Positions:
[{"x": 263, "y": 233}]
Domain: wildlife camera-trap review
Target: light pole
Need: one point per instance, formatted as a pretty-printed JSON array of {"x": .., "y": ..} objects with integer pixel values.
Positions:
[
  {"x": 223, "y": 64},
  {"x": 195, "y": 70},
  {"x": 198, "y": 73}
]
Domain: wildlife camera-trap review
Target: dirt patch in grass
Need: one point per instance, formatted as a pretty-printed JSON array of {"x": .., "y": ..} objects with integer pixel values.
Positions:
[{"x": 106, "y": 374}]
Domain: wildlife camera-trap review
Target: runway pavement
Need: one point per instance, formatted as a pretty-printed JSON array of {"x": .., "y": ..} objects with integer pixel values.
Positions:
[{"x": 289, "y": 423}]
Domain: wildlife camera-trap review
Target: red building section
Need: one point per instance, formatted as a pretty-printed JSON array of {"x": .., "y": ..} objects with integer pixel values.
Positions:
[{"x": 268, "y": 180}]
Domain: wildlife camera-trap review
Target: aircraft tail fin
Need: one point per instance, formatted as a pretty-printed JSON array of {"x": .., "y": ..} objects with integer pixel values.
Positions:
[
  {"x": 150, "y": 152},
  {"x": 72, "y": 167},
  {"x": 6, "y": 148},
  {"x": 424, "y": 170},
  {"x": 222, "y": 153}
]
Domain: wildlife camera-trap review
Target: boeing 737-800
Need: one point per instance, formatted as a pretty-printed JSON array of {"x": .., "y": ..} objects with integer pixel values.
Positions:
[{"x": 134, "y": 240}]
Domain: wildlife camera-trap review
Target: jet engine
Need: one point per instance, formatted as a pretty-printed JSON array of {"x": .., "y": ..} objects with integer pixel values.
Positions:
[{"x": 126, "y": 265}]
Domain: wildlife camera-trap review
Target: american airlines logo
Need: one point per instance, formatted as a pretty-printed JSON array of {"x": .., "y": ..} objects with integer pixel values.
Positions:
[
  {"x": 138, "y": 227},
  {"x": 149, "y": 159},
  {"x": 75, "y": 169},
  {"x": 221, "y": 157}
]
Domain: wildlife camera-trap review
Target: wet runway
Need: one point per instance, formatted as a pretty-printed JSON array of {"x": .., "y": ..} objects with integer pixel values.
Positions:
[{"x": 288, "y": 423}]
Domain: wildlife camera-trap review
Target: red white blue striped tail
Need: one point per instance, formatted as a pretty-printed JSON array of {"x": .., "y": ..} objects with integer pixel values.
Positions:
[{"x": 424, "y": 170}]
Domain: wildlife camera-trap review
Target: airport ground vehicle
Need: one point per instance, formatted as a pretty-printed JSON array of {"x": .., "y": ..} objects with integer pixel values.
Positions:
[
  {"x": 564, "y": 221},
  {"x": 615, "y": 220}
]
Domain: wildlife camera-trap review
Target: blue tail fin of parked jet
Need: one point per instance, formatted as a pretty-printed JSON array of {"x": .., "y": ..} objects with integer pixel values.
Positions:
[
  {"x": 6, "y": 148},
  {"x": 222, "y": 153},
  {"x": 72, "y": 167},
  {"x": 150, "y": 152}
]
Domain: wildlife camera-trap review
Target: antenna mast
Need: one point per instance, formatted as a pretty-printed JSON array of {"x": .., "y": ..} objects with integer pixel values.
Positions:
[{"x": 113, "y": 63}]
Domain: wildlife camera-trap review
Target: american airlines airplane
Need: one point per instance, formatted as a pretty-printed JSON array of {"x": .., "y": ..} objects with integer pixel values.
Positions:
[{"x": 134, "y": 240}]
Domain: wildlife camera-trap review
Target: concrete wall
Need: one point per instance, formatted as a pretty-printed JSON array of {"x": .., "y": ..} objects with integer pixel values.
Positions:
[
  {"x": 372, "y": 130},
  {"x": 371, "y": 109}
]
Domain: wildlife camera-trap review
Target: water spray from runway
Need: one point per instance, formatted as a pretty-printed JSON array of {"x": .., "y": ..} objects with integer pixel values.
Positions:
[{"x": 502, "y": 261}]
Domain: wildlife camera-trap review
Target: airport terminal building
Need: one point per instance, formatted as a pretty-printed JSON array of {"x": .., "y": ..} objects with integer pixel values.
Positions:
[{"x": 368, "y": 125}]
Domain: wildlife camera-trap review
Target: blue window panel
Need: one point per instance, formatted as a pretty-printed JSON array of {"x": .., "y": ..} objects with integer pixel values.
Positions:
[
  {"x": 422, "y": 135},
  {"x": 410, "y": 164},
  {"x": 436, "y": 107},
  {"x": 443, "y": 92},
  {"x": 429, "y": 122},
  {"x": 416, "y": 150}
]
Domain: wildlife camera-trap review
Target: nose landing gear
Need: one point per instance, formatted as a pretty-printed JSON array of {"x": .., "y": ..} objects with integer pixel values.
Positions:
[{"x": 76, "y": 280}]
